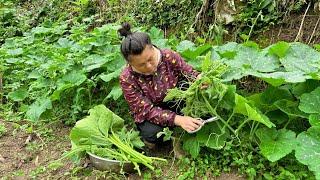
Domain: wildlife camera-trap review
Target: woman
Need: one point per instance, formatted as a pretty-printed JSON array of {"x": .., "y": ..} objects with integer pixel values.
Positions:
[{"x": 149, "y": 73}]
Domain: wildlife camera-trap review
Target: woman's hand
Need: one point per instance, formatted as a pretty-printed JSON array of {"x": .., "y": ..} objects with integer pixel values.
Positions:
[{"x": 187, "y": 123}]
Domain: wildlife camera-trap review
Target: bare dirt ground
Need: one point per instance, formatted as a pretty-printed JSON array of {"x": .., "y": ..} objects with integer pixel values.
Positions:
[
  {"x": 25, "y": 155},
  {"x": 295, "y": 27}
]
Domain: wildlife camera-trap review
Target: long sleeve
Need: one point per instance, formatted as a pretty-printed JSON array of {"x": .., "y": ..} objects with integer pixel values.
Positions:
[
  {"x": 141, "y": 107},
  {"x": 180, "y": 65}
]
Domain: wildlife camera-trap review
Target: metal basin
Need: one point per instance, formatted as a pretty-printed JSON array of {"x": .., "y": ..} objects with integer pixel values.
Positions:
[{"x": 105, "y": 164}]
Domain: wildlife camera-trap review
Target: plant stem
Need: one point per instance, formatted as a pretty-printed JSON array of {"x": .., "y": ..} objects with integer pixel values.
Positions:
[
  {"x": 242, "y": 124},
  {"x": 254, "y": 23},
  {"x": 285, "y": 126},
  {"x": 216, "y": 114}
]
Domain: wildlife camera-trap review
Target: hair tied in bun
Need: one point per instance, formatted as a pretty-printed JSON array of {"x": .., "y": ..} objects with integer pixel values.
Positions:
[{"x": 125, "y": 29}]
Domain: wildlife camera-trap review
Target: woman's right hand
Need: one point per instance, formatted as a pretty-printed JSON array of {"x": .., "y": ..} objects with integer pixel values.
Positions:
[{"x": 187, "y": 123}]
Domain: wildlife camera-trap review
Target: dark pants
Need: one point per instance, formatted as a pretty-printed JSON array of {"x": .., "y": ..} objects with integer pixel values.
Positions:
[{"x": 149, "y": 131}]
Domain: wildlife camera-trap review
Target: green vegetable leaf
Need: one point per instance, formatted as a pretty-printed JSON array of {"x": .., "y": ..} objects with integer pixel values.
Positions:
[
  {"x": 290, "y": 108},
  {"x": 110, "y": 76},
  {"x": 166, "y": 133},
  {"x": 12, "y": 60},
  {"x": 18, "y": 95},
  {"x": 279, "y": 78},
  {"x": 94, "y": 128},
  {"x": 15, "y": 52},
  {"x": 279, "y": 49},
  {"x": 184, "y": 45},
  {"x": 34, "y": 75},
  {"x": 37, "y": 108},
  {"x": 212, "y": 136},
  {"x": 308, "y": 149},
  {"x": 193, "y": 54},
  {"x": 41, "y": 30},
  {"x": 74, "y": 77},
  {"x": 305, "y": 87},
  {"x": 242, "y": 107},
  {"x": 192, "y": 146},
  {"x": 115, "y": 92},
  {"x": 310, "y": 102},
  {"x": 273, "y": 94},
  {"x": 314, "y": 119},
  {"x": 317, "y": 47},
  {"x": 65, "y": 43},
  {"x": 56, "y": 94},
  {"x": 275, "y": 144},
  {"x": 95, "y": 61},
  {"x": 301, "y": 57}
]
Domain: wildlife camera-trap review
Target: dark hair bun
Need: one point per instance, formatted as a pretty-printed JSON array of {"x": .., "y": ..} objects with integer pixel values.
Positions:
[{"x": 125, "y": 30}]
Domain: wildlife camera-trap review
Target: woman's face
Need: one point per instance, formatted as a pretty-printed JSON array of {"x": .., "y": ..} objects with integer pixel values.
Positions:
[{"x": 145, "y": 63}]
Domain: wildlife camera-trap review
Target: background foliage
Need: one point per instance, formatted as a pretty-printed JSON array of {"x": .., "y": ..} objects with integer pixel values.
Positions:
[{"x": 58, "y": 59}]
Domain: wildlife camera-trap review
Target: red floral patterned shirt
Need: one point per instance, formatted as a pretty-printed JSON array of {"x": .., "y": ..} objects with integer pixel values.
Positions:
[{"x": 142, "y": 92}]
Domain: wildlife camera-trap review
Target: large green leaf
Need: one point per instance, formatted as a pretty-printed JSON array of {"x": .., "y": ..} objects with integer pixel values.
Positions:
[
  {"x": 301, "y": 57},
  {"x": 95, "y": 61},
  {"x": 314, "y": 120},
  {"x": 56, "y": 94},
  {"x": 65, "y": 43},
  {"x": 74, "y": 77},
  {"x": 110, "y": 76},
  {"x": 286, "y": 67},
  {"x": 279, "y": 78},
  {"x": 308, "y": 149},
  {"x": 218, "y": 50},
  {"x": 95, "y": 127},
  {"x": 290, "y": 108},
  {"x": 242, "y": 107},
  {"x": 212, "y": 136},
  {"x": 310, "y": 102},
  {"x": 273, "y": 94},
  {"x": 37, "y": 108},
  {"x": 15, "y": 52},
  {"x": 184, "y": 45},
  {"x": 193, "y": 54},
  {"x": 115, "y": 92},
  {"x": 41, "y": 30},
  {"x": 248, "y": 58},
  {"x": 305, "y": 87},
  {"x": 18, "y": 95},
  {"x": 192, "y": 146},
  {"x": 279, "y": 49},
  {"x": 275, "y": 144}
]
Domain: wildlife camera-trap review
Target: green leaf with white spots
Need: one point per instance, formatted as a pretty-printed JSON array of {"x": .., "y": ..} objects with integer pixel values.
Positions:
[
  {"x": 185, "y": 45},
  {"x": 279, "y": 49},
  {"x": 314, "y": 120},
  {"x": 15, "y": 52},
  {"x": 308, "y": 149},
  {"x": 301, "y": 57},
  {"x": 310, "y": 102}
]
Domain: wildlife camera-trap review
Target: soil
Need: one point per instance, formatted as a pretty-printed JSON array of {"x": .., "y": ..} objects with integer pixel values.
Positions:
[
  {"x": 288, "y": 30},
  {"x": 24, "y": 155},
  {"x": 30, "y": 156}
]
